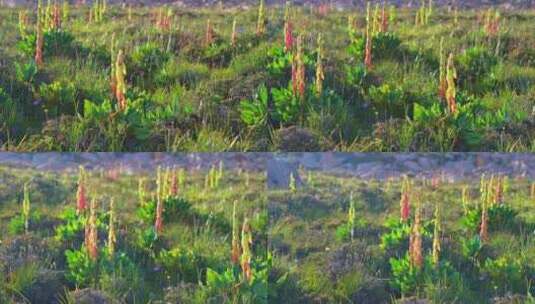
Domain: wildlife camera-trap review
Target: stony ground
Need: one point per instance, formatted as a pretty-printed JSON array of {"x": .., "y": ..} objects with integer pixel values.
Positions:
[{"x": 454, "y": 166}]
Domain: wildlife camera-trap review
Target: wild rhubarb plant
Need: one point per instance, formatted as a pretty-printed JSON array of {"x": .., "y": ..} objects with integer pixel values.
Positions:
[
  {"x": 451, "y": 92},
  {"x": 288, "y": 33},
  {"x": 65, "y": 10},
  {"x": 120, "y": 74},
  {"x": 113, "y": 75},
  {"x": 436, "y": 235},
  {"x": 55, "y": 22},
  {"x": 234, "y": 35},
  {"x": 405, "y": 199},
  {"x": 235, "y": 251},
  {"x": 39, "y": 43},
  {"x": 209, "y": 35},
  {"x": 292, "y": 183},
  {"x": 40, "y": 10},
  {"x": 429, "y": 11},
  {"x": 392, "y": 15},
  {"x": 23, "y": 23},
  {"x": 298, "y": 70},
  {"x": 166, "y": 183},
  {"x": 261, "y": 23},
  {"x": 141, "y": 191},
  {"x": 81, "y": 200},
  {"x": 384, "y": 20},
  {"x": 112, "y": 237},
  {"x": 492, "y": 22},
  {"x": 442, "y": 83},
  {"x": 368, "y": 48},
  {"x": 351, "y": 215},
  {"x": 375, "y": 20},
  {"x": 352, "y": 27},
  {"x": 91, "y": 232},
  {"x": 465, "y": 199},
  {"x": 26, "y": 207},
  {"x": 246, "y": 255},
  {"x": 163, "y": 20},
  {"x": 158, "y": 221},
  {"x": 415, "y": 240},
  {"x": 48, "y": 15},
  {"x": 213, "y": 177},
  {"x": 320, "y": 75},
  {"x": 422, "y": 14},
  {"x": 99, "y": 9},
  {"x": 483, "y": 228}
]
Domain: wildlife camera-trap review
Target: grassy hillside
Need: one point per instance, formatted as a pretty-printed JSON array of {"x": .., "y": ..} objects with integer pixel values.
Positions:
[
  {"x": 189, "y": 86},
  {"x": 346, "y": 240},
  {"x": 72, "y": 246}
]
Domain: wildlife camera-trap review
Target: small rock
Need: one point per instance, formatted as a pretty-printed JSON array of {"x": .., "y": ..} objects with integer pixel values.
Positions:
[
  {"x": 90, "y": 296},
  {"x": 296, "y": 139}
]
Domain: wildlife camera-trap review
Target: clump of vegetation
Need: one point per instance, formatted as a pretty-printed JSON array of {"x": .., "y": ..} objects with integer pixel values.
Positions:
[
  {"x": 133, "y": 241},
  {"x": 411, "y": 248},
  {"x": 96, "y": 78}
]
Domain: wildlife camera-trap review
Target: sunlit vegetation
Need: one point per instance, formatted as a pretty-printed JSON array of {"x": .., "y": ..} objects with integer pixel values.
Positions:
[
  {"x": 129, "y": 78},
  {"x": 176, "y": 235},
  {"x": 341, "y": 239}
]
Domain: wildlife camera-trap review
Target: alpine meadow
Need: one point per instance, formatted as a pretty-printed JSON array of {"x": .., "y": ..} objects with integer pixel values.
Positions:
[{"x": 106, "y": 77}]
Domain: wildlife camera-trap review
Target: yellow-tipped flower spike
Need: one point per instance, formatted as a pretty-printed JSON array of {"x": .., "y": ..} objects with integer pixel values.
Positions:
[
  {"x": 65, "y": 10},
  {"x": 404, "y": 203},
  {"x": 158, "y": 222},
  {"x": 113, "y": 80},
  {"x": 235, "y": 252},
  {"x": 320, "y": 76},
  {"x": 142, "y": 194},
  {"x": 48, "y": 15},
  {"x": 91, "y": 233},
  {"x": 298, "y": 70},
  {"x": 26, "y": 207},
  {"x": 292, "y": 184},
  {"x": 81, "y": 200},
  {"x": 23, "y": 22},
  {"x": 112, "y": 238},
  {"x": 165, "y": 183},
  {"x": 159, "y": 186},
  {"x": 120, "y": 74},
  {"x": 415, "y": 241},
  {"x": 351, "y": 215},
  {"x": 368, "y": 48},
  {"x": 442, "y": 84},
  {"x": 209, "y": 36},
  {"x": 246, "y": 256},
  {"x": 436, "y": 235},
  {"x": 234, "y": 36},
  {"x": 465, "y": 199},
  {"x": 451, "y": 92},
  {"x": 261, "y": 23},
  {"x": 429, "y": 11},
  {"x": 483, "y": 229},
  {"x": 39, "y": 41},
  {"x": 375, "y": 20}
]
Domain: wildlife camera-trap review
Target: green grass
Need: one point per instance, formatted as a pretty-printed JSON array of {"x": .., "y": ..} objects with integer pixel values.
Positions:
[
  {"x": 35, "y": 267},
  {"x": 185, "y": 96},
  {"x": 318, "y": 262}
]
